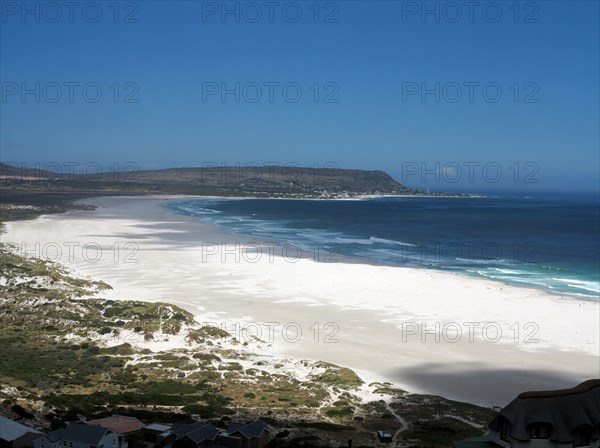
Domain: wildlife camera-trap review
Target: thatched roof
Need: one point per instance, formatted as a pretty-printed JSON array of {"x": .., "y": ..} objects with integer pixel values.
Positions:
[{"x": 564, "y": 410}]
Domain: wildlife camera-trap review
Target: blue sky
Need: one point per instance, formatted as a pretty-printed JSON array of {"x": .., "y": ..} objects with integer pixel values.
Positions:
[{"x": 361, "y": 68}]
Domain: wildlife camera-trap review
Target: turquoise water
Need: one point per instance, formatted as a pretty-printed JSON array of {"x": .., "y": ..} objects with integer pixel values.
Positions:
[{"x": 547, "y": 243}]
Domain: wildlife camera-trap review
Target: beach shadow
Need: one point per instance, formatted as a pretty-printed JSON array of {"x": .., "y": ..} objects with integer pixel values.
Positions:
[{"x": 478, "y": 383}]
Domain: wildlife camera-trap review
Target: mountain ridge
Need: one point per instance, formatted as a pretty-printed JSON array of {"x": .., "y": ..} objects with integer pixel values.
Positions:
[{"x": 253, "y": 181}]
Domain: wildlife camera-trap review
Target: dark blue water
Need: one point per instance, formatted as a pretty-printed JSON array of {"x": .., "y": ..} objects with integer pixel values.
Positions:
[{"x": 553, "y": 244}]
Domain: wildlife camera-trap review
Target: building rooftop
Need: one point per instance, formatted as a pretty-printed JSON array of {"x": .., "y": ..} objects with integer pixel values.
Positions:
[
  {"x": 206, "y": 432},
  {"x": 161, "y": 427},
  {"x": 119, "y": 424},
  {"x": 564, "y": 410},
  {"x": 579, "y": 389},
  {"x": 254, "y": 429},
  {"x": 11, "y": 430},
  {"x": 84, "y": 433},
  {"x": 182, "y": 429},
  {"x": 234, "y": 426},
  {"x": 53, "y": 437}
]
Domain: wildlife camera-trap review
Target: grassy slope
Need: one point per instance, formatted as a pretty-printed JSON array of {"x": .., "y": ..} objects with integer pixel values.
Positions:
[{"x": 55, "y": 362}]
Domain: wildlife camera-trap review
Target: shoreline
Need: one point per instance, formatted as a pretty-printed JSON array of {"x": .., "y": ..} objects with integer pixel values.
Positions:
[
  {"x": 350, "y": 259},
  {"x": 373, "y": 317}
]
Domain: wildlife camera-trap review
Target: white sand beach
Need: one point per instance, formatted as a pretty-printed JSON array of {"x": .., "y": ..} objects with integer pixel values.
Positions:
[{"x": 427, "y": 331}]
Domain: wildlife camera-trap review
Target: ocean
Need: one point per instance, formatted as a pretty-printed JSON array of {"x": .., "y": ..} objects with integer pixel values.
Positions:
[{"x": 549, "y": 243}]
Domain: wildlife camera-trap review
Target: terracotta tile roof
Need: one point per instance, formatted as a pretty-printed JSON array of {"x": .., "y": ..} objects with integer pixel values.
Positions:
[{"x": 119, "y": 424}]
